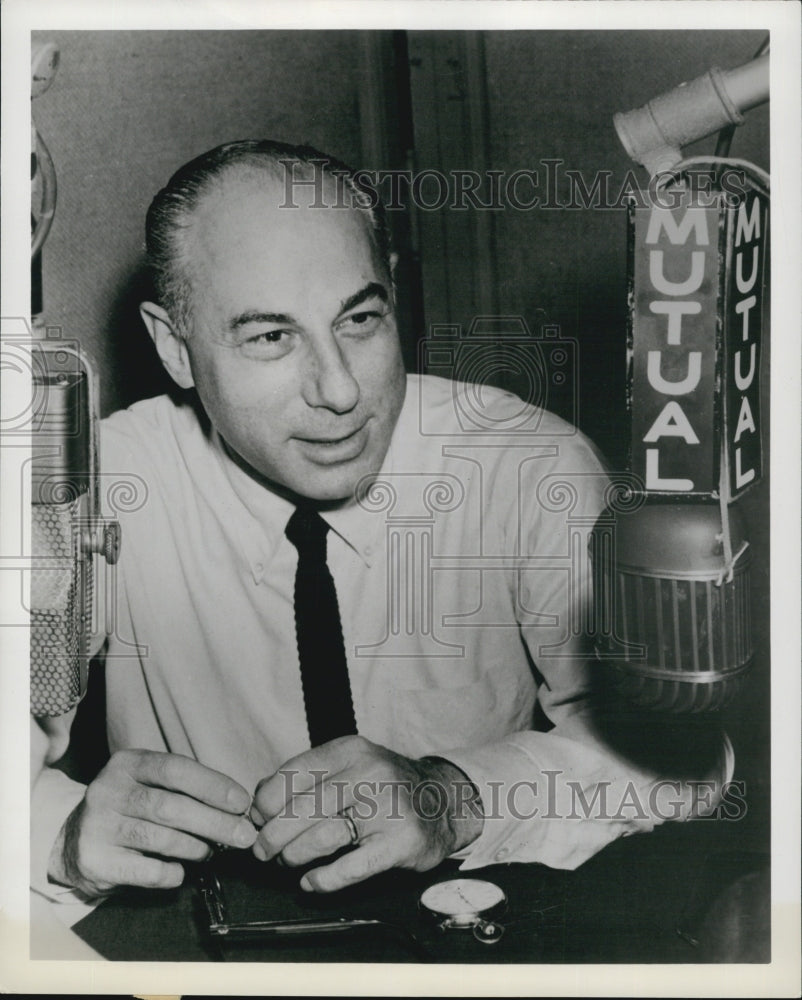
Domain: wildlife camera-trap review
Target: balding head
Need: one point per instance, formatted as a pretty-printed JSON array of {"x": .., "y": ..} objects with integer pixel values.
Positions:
[{"x": 288, "y": 168}]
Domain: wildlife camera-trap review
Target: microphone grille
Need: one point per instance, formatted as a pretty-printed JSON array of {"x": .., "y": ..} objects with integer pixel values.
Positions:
[
  {"x": 61, "y": 589},
  {"x": 673, "y": 627}
]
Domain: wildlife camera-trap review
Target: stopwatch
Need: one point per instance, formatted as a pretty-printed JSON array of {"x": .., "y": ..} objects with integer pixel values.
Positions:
[{"x": 466, "y": 904}]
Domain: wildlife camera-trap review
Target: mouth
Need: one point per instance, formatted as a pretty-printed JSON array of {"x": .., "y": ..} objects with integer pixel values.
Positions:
[{"x": 331, "y": 450}]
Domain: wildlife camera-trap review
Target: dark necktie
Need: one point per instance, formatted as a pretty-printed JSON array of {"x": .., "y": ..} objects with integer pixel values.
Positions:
[{"x": 321, "y": 651}]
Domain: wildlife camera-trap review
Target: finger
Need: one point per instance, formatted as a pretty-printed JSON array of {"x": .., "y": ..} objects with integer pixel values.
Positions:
[
  {"x": 180, "y": 812},
  {"x": 183, "y": 774},
  {"x": 303, "y": 772},
  {"x": 150, "y": 838},
  {"x": 305, "y": 811},
  {"x": 356, "y": 866},
  {"x": 131, "y": 868},
  {"x": 320, "y": 841}
]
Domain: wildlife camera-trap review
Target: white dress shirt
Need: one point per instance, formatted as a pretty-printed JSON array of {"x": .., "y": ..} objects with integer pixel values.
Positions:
[{"x": 463, "y": 585}]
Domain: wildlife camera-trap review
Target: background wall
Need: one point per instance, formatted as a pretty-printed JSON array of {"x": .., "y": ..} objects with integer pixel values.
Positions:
[
  {"x": 127, "y": 108},
  {"x": 551, "y": 96}
]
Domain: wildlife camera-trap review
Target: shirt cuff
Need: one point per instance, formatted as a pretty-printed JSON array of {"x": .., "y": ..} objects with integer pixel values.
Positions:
[
  {"x": 483, "y": 766},
  {"x": 53, "y": 798},
  {"x": 552, "y": 800}
]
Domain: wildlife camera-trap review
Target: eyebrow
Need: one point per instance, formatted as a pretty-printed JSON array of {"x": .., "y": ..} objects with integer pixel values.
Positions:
[
  {"x": 374, "y": 290},
  {"x": 256, "y": 316}
]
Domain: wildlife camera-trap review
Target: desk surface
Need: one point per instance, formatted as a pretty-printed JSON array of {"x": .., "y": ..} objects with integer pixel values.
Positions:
[{"x": 622, "y": 906}]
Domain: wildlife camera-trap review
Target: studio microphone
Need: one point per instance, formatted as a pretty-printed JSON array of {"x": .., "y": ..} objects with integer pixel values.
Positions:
[
  {"x": 66, "y": 526},
  {"x": 671, "y": 574},
  {"x": 671, "y": 578}
]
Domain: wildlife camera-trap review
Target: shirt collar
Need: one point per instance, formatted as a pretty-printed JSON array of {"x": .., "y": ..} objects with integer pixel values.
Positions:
[
  {"x": 361, "y": 522},
  {"x": 358, "y": 522},
  {"x": 269, "y": 512}
]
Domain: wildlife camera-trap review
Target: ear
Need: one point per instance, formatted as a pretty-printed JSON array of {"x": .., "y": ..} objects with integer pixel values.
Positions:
[{"x": 171, "y": 346}]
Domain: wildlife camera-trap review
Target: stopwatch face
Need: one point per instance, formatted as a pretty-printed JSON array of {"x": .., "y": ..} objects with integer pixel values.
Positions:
[{"x": 462, "y": 898}]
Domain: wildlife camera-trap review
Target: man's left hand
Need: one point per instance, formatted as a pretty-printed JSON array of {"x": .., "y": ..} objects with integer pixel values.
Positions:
[{"x": 402, "y": 813}]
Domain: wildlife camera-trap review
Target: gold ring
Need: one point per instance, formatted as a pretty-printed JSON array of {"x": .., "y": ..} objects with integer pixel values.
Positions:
[{"x": 349, "y": 822}]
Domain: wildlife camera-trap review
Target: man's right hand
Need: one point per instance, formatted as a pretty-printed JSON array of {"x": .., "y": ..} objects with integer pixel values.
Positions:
[{"x": 144, "y": 814}]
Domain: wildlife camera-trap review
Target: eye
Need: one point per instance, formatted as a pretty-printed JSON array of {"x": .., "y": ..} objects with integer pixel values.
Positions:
[
  {"x": 268, "y": 337},
  {"x": 268, "y": 344},
  {"x": 361, "y": 323}
]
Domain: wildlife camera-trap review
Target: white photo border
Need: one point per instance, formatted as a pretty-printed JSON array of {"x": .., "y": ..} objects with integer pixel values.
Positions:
[{"x": 781, "y": 977}]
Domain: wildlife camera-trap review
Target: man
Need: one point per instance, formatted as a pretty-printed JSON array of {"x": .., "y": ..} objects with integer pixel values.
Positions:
[{"x": 275, "y": 316}]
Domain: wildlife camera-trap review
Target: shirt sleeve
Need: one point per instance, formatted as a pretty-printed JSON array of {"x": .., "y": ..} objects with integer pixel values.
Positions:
[{"x": 602, "y": 770}]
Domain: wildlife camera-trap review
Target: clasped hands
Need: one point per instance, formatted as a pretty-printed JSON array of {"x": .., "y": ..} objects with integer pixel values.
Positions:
[{"x": 148, "y": 812}]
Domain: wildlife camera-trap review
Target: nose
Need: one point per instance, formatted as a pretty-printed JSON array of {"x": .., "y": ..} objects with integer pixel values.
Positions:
[{"x": 329, "y": 382}]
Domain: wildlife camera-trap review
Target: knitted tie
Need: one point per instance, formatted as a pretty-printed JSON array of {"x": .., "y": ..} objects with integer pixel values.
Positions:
[{"x": 321, "y": 651}]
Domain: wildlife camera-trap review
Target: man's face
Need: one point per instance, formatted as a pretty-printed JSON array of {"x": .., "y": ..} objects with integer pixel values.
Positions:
[{"x": 293, "y": 348}]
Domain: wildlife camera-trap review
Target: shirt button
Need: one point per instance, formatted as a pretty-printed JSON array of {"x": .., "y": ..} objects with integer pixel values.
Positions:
[
  {"x": 368, "y": 550},
  {"x": 502, "y": 854},
  {"x": 259, "y": 567}
]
